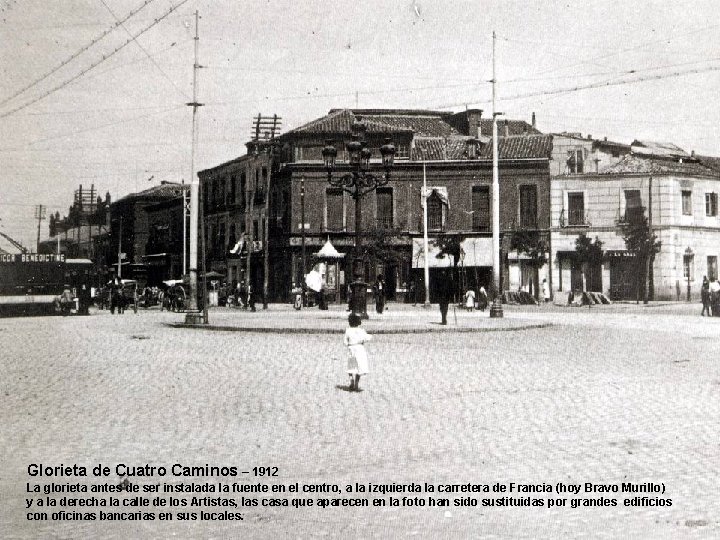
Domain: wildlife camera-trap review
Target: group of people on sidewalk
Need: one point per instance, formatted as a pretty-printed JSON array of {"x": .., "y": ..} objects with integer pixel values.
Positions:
[{"x": 710, "y": 297}]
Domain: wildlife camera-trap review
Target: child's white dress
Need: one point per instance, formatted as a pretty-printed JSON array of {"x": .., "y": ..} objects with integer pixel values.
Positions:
[{"x": 357, "y": 356}]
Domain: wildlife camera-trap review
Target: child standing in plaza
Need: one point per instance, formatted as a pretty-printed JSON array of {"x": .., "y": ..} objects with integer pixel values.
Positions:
[{"x": 354, "y": 340}]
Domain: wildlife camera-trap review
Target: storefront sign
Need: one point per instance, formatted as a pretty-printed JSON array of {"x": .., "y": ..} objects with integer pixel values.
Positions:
[
  {"x": 619, "y": 254},
  {"x": 31, "y": 257}
]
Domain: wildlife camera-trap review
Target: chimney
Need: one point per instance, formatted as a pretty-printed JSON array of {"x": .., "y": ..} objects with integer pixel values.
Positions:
[
  {"x": 692, "y": 153},
  {"x": 507, "y": 128},
  {"x": 589, "y": 137},
  {"x": 533, "y": 120},
  {"x": 474, "y": 118}
]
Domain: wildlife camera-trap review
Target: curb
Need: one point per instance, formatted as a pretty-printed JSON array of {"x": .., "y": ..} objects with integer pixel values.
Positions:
[{"x": 378, "y": 331}]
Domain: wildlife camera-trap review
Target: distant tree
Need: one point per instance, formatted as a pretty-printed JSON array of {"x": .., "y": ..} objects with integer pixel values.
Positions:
[
  {"x": 451, "y": 245},
  {"x": 379, "y": 248},
  {"x": 589, "y": 254},
  {"x": 640, "y": 240},
  {"x": 52, "y": 229},
  {"x": 535, "y": 247},
  {"x": 73, "y": 218}
]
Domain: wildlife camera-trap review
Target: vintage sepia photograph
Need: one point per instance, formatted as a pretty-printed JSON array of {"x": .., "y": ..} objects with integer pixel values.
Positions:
[{"x": 274, "y": 269}]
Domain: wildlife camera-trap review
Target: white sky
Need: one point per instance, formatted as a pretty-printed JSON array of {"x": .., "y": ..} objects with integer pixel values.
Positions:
[{"x": 126, "y": 120}]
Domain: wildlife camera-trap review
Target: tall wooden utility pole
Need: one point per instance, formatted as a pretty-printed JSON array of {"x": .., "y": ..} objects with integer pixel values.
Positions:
[
  {"x": 39, "y": 215},
  {"x": 193, "y": 315}
]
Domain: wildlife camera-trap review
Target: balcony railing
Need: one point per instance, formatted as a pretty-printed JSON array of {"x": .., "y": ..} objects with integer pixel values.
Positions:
[
  {"x": 384, "y": 222},
  {"x": 573, "y": 218}
]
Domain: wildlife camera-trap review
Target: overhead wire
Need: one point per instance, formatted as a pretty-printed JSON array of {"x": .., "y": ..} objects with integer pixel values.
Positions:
[
  {"x": 601, "y": 84},
  {"x": 95, "y": 64},
  {"x": 75, "y": 54},
  {"x": 144, "y": 50}
]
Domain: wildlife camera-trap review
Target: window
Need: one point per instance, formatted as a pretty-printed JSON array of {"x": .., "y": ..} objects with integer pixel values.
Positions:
[
  {"x": 243, "y": 188},
  {"x": 214, "y": 198},
  {"x": 575, "y": 161},
  {"x": 481, "y": 208},
  {"x": 221, "y": 238},
  {"x": 686, "y": 202},
  {"x": 213, "y": 237},
  {"x": 402, "y": 151},
  {"x": 233, "y": 190},
  {"x": 384, "y": 207},
  {"x": 256, "y": 230},
  {"x": 232, "y": 239},
  {"x": 434, "y": 212},
  {"x": 688, "y": 267},
  {"x": 334, "y": 209},
  {"x": 711, "y": 204},
  {"x": 633, "y": 206},
  {"x": 528, "y": 206},
  {"x": 576, "y": 208},
  {"x": 712, "y": 267}
]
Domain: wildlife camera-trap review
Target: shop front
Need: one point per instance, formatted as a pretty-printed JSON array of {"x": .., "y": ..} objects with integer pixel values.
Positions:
[{"x": 625, "y": 276}]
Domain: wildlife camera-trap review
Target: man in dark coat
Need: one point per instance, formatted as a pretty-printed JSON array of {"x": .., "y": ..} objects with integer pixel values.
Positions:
[
  {"x": 445, "y": 293},
  {"x": 379, "y": 290}
]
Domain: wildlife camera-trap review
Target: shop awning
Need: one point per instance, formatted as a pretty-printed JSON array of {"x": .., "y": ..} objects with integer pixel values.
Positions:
[{"x": 475, "y": 252}]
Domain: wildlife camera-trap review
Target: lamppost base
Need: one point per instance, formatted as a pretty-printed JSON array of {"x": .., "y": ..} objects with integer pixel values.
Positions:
[
  {"x": 358, "y": 304},
  {"x": 195, "y": 317},
  {"x": 496, "y": 310}
]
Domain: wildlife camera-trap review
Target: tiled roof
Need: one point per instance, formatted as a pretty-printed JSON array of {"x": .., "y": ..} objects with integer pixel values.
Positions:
[
  {"x": 436, "y": 148},
  {"x": 658, "y": 149},
  {"x": 426, "y": 149},
  {"x": 633, "y": 163},
  {"x": 166, "y": 190},
  {"x": 520, "y": 147},
  {"x": 710, "y": 162},
  {"x": 514, "y": 127},
  {"x": 421, "y": 123}
]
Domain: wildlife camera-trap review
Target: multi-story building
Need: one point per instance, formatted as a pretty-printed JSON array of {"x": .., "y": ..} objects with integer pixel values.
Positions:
[
  {"x": 130, "y": 229},
  {"x": 277, "y": 205},
  {"x": 235, "y": 206},
  {"x": 677, "y": 191},
  {"x": 166, "y": 245}
]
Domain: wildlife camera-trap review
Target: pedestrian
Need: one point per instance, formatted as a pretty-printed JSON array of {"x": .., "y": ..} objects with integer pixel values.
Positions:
[
  {"x": 251, "y": 297},
  {"x": 66, "y": 300},
  {"x": 379, "y": 291},
  {"x": 296, "y": 293},
  {"x": 114, "y": 286},
  {"x": 546, "y": 290},
  {"x": 354, "y": 339},
  {"x": 715, "y": 298},
  {"x": 242, "y": 294},
  {"x": 482, "y": 298},
  {"x": 470, "y": 300},
  {"x": 444, "y": 295},
  {"x": 705, "y": 297},
  {"x": 321, "y": 299}
]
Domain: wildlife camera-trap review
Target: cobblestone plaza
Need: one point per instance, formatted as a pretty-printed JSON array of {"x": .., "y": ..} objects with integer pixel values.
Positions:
[{"x": 605, "y": 395}]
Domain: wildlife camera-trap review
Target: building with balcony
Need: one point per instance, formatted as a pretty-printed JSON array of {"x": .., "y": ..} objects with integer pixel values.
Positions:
[
  {"x": 676, "y": 191},
  {"x": 235, "y": 215},
  {"x": 276, "y": 206}
]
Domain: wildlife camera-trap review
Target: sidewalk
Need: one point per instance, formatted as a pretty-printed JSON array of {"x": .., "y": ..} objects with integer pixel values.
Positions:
[{"x": 397, "y": 319}]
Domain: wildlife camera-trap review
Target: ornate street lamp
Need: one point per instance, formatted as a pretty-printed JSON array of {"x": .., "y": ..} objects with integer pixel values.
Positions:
[{"x": 358, "y": 181}]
